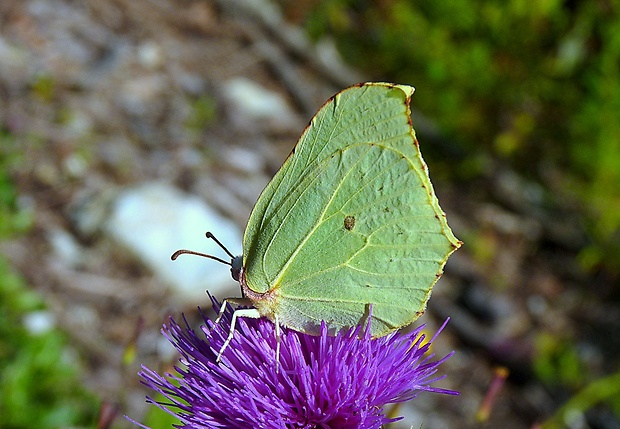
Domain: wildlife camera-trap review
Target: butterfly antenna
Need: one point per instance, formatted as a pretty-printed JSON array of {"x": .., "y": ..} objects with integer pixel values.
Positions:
[
  {"x": 212, "y": 237},
  {"x": 176, "y": 254}
]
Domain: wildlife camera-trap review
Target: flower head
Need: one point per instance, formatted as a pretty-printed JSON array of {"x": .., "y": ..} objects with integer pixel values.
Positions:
[{"x": 336, "y": 382}]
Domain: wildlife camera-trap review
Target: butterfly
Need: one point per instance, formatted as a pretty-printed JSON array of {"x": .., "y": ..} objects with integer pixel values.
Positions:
[{"x": 349, "y": 223}]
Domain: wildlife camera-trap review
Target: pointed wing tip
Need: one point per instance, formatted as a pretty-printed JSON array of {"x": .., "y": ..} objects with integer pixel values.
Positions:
[{"x": 408, "y": 90}]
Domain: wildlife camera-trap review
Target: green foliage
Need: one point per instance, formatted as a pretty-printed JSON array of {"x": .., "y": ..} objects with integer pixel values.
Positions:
[
  {"x": 557, "y": 362},
  {"x": 12, "y": 219},
  {"x": 203, "y": 113},
  {"x": 604, "y": 390},
  {"x": 39, "y": 383},
  {"x": 535, "y": 85},
  {"x": 44, "y": 87}
]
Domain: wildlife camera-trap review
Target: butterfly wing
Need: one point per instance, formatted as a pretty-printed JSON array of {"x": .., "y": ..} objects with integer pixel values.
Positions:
[{"x": 350, "y": 220}]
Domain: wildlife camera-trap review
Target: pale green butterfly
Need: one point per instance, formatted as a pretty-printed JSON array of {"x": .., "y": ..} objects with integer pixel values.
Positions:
[{"x": 349, "y": 221}]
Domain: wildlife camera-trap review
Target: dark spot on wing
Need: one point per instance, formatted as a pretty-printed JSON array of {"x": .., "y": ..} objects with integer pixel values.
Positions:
[{"x": 349, "y": 223}]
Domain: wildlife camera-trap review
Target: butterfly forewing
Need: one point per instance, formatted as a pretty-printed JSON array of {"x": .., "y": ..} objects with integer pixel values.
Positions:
[{"x": 350, "y": 220}]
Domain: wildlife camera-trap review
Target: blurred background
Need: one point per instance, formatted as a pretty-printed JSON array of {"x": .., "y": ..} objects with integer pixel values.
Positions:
[{"x": 129, "y": 128}]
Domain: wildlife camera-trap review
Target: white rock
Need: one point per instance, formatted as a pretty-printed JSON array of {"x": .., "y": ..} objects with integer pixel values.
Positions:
[
  {"x": 253, "y": 104},
  {"x": 246, "y": 160},
  {"x": 150, "y": 54},
  {"x": 39, "y": 322},
  {"x": 65, "y": 247},
  {"x": 154, "y": 220}
]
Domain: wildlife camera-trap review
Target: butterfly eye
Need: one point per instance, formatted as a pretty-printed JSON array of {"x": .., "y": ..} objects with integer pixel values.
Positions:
[{"x": 235, "y": 267}]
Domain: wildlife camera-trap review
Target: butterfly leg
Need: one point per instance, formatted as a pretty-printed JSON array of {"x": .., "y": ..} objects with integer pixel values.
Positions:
[
  {"x": 278, "y": 332},
  {"x": 238, "y": 301},
  {"x": 220, "y": 314},
  {"x": 246, "y": 312}
]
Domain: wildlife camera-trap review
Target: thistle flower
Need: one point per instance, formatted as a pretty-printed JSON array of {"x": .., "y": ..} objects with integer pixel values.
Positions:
[{"x": 335, "y": 382}]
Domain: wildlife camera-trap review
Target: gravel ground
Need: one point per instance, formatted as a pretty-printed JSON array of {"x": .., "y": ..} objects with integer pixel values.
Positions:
[{"x": 209, "y": 97}]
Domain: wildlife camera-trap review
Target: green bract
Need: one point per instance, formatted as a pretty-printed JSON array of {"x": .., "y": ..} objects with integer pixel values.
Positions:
[{"x": 349, "y": 221}]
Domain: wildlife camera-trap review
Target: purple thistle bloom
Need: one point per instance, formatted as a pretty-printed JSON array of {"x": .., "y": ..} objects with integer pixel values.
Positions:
[{"x": 334, "y": 382}]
